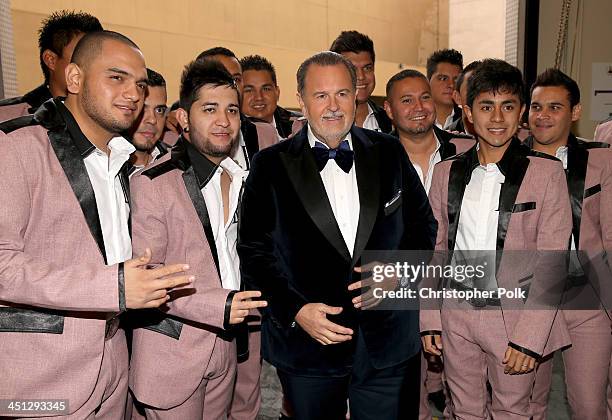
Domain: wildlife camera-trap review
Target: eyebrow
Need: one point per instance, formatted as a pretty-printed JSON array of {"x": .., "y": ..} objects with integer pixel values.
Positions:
[{"x": 125, "y": 73}]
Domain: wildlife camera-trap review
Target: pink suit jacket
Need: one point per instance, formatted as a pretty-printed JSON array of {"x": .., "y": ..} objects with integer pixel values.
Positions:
[
  {"x": 603, "y": 132},
  {"x": 172, "y": 355},
  {"x": 55, "y": 290},
  {"x": 534, "y": 215},
  {"x": 23, "y": 105}
]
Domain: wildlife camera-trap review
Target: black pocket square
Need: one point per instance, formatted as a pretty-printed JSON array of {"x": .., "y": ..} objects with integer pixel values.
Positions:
[
  {"x": 519, "y": 207},
  {"x": 592, "y": 190}
]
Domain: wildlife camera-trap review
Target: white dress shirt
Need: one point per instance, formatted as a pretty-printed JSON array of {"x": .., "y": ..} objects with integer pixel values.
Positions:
[
  {"x": 433, "y": 159},
  {"x": 152, "y": 157},
  {"x": 111, "y": 201},
  {"x": 448, "y": 122},
  {"x": 575, "y": 267},
  {"x": 370, "y": 122},
  {"x": 342, "y": 192},
  {"x": 477, "y": 229},
  {"x": 240, "y": 155},
  {"x": 225, "y": 233}
]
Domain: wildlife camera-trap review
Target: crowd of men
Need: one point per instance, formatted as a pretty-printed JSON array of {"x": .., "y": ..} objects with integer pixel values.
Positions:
[{"x": 152, "y": 255}]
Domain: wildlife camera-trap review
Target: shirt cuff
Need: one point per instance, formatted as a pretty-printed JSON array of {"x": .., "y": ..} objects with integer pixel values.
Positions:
[
  {"x": 228, "y": 309},
  {"x": 430, "y": 332},
  {"x": 121, "y": 282},
  {"x": 525, "y": 351}
]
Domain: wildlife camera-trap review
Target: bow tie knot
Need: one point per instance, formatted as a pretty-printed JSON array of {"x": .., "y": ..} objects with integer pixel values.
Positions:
[{"x": 343, "y": 155}]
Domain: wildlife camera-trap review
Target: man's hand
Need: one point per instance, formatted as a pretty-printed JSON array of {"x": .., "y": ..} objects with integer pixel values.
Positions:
[
  {"x": 242, "y": 304},
  {"x": 145, "y": 288},
  {"x": 367, "y": 299},
  {"x": 432, "y": 344},
  {"x": 517, "y": 363},
  {"x": 312, "y": 317}
]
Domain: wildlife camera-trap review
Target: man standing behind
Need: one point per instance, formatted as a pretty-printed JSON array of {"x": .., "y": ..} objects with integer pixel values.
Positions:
[
  {"x": 555, "y": 105},
  {"x": 443, "y": 68},
  {"x": 57, "y": 38},
  {"x": 196, "y": 220},
  {"x": 349, "y": 190},
  {"x": 463, "y": 125},
  {"x": 149, "y": 127},
  {"x": 64, "y": 239},
  {"x": 359, "y": 50},
  {"x": 260, "y": 95},
  {"x": 498, "y": 196}
]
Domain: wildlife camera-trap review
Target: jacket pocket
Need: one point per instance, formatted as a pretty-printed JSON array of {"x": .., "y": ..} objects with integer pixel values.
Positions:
[
  {"x": 592, "y": 191},
  {"x": 30, "y": 321},
  {"x": 394, "y": 203},
  {"x": 519, "y": 207}
]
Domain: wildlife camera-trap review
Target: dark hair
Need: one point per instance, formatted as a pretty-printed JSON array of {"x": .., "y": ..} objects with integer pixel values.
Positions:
[
  {"x": 200, "y": 73},
  {"x": 450, "y": 56},
  {"x": 555, "y": 77},
  {"x": 59, "y": 29},
  {"x": 353, "y": 41},
  {"x": 470, "y": 67},
  {"x": 494, "y": 75},
  {"x": 325, "y": 58},
  {"x": 404, "y": 74},
  {"x": 211, "y": 52},
  {"x": 90, "y": 46},
  {"x": 257, "y": 62},
  {"x": 155, "y": 79}
]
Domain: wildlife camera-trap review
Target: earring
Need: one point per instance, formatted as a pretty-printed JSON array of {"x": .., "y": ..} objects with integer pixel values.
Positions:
[{"x": 186, "y": 129}]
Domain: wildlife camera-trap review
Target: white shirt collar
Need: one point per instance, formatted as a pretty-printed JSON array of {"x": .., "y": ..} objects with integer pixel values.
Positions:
[{"x": 312, "y": 138}]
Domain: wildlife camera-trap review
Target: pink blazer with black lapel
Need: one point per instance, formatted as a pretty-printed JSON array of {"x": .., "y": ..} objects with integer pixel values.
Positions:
[
  {"x": 56, "y": 291},
  {"x": 534, "y": 214},
  {"x": 171, "y": 352}
]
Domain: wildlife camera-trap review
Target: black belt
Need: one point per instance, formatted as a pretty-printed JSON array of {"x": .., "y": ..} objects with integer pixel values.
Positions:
[
  {"x": 576, "y": 281},
  {"x": 112, "y": 325},
  {"x": 475, "y": 301}
]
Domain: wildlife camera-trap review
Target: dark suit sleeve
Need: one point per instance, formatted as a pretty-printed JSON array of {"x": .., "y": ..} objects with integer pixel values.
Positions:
[
  {"x": 420, "y": 224},
  {"x": 261, "y": 265}
]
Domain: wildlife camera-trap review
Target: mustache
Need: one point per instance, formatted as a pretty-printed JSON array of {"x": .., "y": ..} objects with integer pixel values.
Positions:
[{"x": 333, "y": 115}]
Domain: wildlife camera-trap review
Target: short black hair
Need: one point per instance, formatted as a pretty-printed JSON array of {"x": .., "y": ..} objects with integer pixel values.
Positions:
[
  {"x": 59, "y": 29},
  {"x": 257, "y": 62},
  {"x": 494, "y": 75},
  {"x": 211, "y": 52},
  {"x": 155, "y": 79},
  {"x": 404, "y": 74},
  {"x": 325, "y": 58},
  {"x": 199, "y": 73},
  {"x": 90, "y": 46},
  {"x": 450, "y": 56},
  {"x": 353, "y": 41},
  {"x": 555, "y": 77},
  {"x": 470, "y": 67}
]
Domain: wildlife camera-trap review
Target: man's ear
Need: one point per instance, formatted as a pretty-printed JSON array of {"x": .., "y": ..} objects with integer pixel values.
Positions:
[
  {"x": 183, "y": 119},
  {"x": 387, "y": 108},
  {"x": 457, "y": 98},
  {"x": 50, "y": 59},
  {"x": 301, "y": 103},
  {"x": 74, "y": 78},
  {"x": 468, "y": 113},
  {"x": 576, "y": 112}
]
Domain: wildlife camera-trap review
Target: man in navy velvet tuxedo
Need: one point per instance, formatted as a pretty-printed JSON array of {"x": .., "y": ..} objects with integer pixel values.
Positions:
[{"x": 311, "y": 206}]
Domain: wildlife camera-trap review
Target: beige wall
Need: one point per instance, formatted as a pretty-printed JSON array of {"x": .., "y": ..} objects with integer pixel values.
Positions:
[
  {"x": 591, "y": 33},
  {"x": 478, "y": 28},
  {"x": 170, "y": 33}
]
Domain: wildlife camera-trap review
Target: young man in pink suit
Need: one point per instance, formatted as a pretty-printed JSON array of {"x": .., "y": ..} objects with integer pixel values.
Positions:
[
  {"x": 497, "y": 196},
  {"x": 65, "y": 268},
  {"x": 187, "y": 205},
  {"x": 555, "y": 105}
]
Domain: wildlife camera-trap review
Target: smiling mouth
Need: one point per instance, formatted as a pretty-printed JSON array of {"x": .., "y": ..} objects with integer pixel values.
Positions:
[
  {"x": 418, "y": 118},
  {"x": 258, "y": 107},
  {"x": 497, "y": 131},
  {"x": 126, "y": 109}
]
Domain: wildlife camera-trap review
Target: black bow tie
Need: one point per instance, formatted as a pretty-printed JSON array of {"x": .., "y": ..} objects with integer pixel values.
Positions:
[{"x": 343, "y": 155}]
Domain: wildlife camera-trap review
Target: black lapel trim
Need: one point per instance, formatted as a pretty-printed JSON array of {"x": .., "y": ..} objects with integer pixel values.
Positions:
[
  {"x": 195, "y": 193},
  {"x": 367, "y": 171},
  {"x": 73, "y": 165},
  {"x": 384, "y": 123},
  {"x": 282, "y": 117},
  {"x": 513, "y": 165},
  {"x": 249, "y": 134},
  {"x": 577, "y": 161},
  {"x": 447, "y": 149},
  {"x": 124, "y": 180},
  {"x": 304, "y": 175},
  {"x": 459, "y": 176},
  {"x": 35, "y": 98}
]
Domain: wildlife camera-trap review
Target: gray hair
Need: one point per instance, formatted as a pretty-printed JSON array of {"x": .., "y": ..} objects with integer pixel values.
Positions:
[{"x": 325, "y": 58}]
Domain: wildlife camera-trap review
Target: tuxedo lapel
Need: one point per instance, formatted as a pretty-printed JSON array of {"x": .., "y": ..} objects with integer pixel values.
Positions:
[
  {"x": 577, "y": 160},
  {"x": 367, "y": 170},
  {"x": 74, "y": 167},
  {"x": 513, "y": 165},
  {"x": 193, "y": 189},
  {"x": 459, "y": 176},
  {"x": 304, "y": 176}
]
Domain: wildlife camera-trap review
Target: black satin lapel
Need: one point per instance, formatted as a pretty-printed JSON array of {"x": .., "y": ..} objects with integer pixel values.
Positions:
[
  {"x": 191, "y": 184},
  {"x": 577, "y": 160},
  {"x": 367, "y": 171},
  {"x": 507, "y": 197},
  {"x": 456, "y": 187},
  {"x": 124, "y": 180},
  {"x": 447, "y": 149},
  {"x": 304, "y": 175},
  {"x": 72, "y": 163},
  {"x": 251, "y": 141}
]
